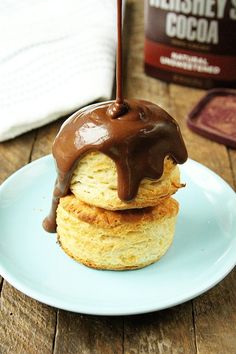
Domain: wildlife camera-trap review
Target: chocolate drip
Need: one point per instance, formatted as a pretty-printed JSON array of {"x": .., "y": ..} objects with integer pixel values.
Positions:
[
  {"x": 119, "y": 88},
  {"x": 138, "y": 142},
  {"x": 119, "y": 107}
]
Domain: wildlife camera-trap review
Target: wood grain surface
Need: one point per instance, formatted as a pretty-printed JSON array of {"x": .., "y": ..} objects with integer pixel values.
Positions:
[{"x": 205, "y": 325}]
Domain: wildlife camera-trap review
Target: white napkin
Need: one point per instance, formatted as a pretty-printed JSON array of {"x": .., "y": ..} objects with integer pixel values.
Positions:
[{"x": 55, "y": 56}]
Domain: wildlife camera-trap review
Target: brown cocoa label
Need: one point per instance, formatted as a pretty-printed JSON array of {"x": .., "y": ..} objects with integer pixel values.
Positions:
[
  {"x": 201, "y": 24},
  {"x": 194, "y": 37},
  {"x": 185, "y": 61}
]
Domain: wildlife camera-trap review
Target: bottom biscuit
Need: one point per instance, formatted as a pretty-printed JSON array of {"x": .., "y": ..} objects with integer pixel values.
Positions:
[{"x": 115, "y": 240}]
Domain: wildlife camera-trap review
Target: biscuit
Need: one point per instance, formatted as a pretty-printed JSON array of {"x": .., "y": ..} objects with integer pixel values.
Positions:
[
  {"x": 115, "y": 240},
  {"x": 95, "y": 182}
]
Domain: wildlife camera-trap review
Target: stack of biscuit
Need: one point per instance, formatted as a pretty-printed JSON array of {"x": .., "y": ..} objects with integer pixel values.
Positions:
[{"x": 101, "y": 231}]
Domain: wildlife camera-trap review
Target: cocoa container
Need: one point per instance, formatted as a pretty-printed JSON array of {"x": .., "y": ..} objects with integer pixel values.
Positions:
[{"x": 191, "y": 42}]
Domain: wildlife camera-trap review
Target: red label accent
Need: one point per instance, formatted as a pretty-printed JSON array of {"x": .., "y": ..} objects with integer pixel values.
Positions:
[{"x": 190, "y": 63}]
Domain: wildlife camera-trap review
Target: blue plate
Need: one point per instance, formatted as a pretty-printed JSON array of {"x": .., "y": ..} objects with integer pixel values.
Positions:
[{"x": 203, "y": 252}]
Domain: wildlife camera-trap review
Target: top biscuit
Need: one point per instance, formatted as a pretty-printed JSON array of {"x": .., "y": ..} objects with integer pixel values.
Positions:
[{"x": 94, "y": 182}]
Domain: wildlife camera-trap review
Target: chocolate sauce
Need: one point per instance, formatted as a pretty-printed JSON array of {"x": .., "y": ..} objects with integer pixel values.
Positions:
[
  {"x": 137, "y": 135},
  {"x": 119, "y": 107}
]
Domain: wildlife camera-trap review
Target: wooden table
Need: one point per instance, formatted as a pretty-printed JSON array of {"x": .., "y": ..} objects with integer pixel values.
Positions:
[{"x": 206, "y": 325}]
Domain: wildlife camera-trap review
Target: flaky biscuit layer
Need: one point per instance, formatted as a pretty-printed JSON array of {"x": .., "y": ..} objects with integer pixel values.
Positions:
[
  {"x": 95, "y": 182},
  {"x": 117, "y": 240}
]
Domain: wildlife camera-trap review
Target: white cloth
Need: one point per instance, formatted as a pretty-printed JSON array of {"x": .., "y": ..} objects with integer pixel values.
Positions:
[{"x": 55, "y": 56}]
